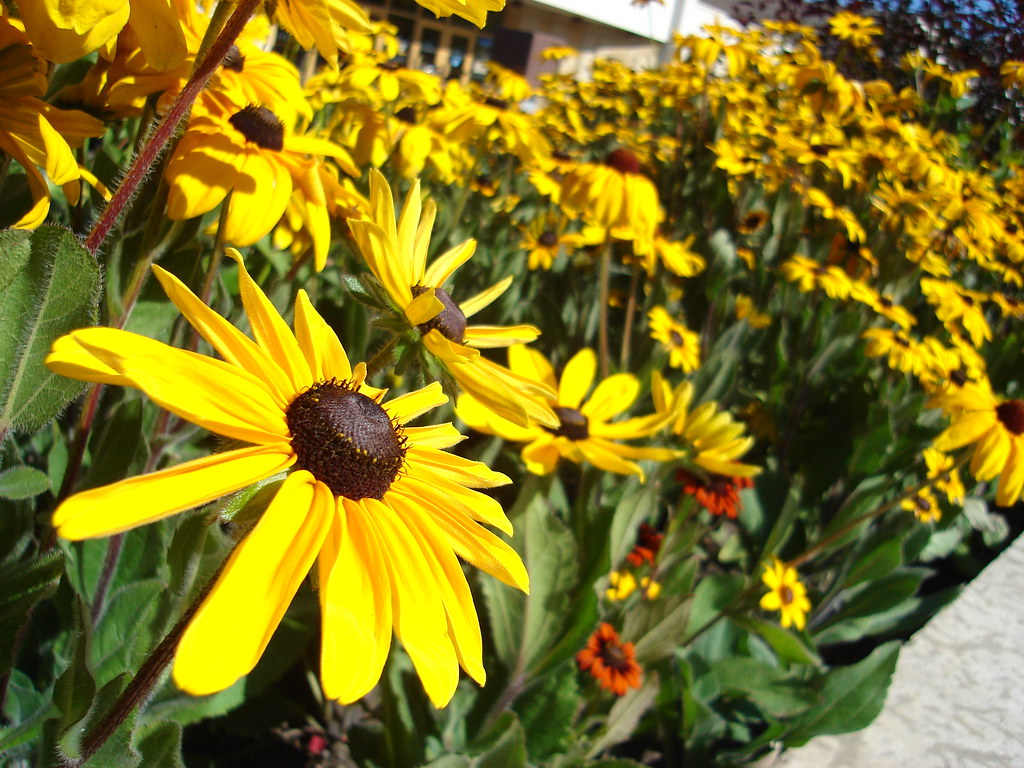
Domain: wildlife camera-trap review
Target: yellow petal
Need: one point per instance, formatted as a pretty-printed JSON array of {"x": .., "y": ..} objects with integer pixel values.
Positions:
[
  {"x": 541, "y": 456},
  {"x": 114, "y": 508},
  {"x": 412, "y": 404},
  {"x": 156, "y": 25},
  {"x": 577, "y": 378},
  {"x": 463, "y": 622},
  {"x": 444, "y": 266},
  {"x": 321, "y": 346},
  {"x": 355, "y": 600},
  {"x": 465, "y": 472},
  {"x": 1011, "y": 481},
  {"x": 270, "y": 330},
  {"x": 605, "y": 457},
  {"x": 438, "y": 436},
  {"x": 217, "y": 396},
  {"x": 491, "y": 336},
  {"x": 420, "y": 619},
  {"x": 423, "y": 308},
  {"x": 232, "y": 627},
  {"x": 611, "y": 397},
  {"x": 71, "y": 359},
  {"x": 233, "y": 345},
  {"x": 485, "y": 298},
  {"x": 443, "y": 492},
  {"x": 532, "y": 365},
  {"x": 258, "y": 199}
]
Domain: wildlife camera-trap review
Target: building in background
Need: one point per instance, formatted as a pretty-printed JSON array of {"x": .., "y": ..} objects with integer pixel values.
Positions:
[{"x": 637, "y": 35}]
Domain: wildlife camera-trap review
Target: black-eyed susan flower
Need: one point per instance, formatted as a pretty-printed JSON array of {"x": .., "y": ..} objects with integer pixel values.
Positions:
[
  {"x": 615, "y": 195},
  {"x": 945, "y": 476},
  {"x": 713, "y": 440},
  {"x": 610, "y": 661},
  {"x": 395, "y": 249},
  {"x": 377, "y": 504},
  {"x": 585, "y": 430},
  {"x": 854, "y": 29},
  {"x": 786, "y": 594},
  {"x": 33, "y": 132},
  {"x": 924, "y": 505},
  {"x": 994, "y": 428},
  {"x": 251, "y": 153},
  {"x": 322, "y": 24},
  {"x": 682, "y": 344}
]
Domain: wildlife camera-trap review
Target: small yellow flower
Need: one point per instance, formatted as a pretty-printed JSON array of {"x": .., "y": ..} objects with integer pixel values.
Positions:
[
  {"x": 924, "y": 506},
  {"x": 682, "y": 344},
  {"x": 621, "y": 584},
  {"x": 786, "y": 594}
]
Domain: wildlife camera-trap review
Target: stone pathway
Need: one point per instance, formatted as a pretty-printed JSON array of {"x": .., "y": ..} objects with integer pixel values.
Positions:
[{"x": 957, "y": 697}]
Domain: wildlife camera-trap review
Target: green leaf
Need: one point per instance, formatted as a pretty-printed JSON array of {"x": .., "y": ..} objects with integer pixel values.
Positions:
[
  {"x": 54, "y": 291},
  {"x": 172, "y": 704},
  {"x": 851, "y": 696},
  {"x": 160, "y": 745},
  {"x": 508, "y": 750},
  {"x": 784, "y": 642},
  {"x": 625, "y": 714},
  {"x": 22, "y": 585},
  {"x": 773, "y": 690},
  {"x": 118, "y": 445},
  {"x": 713, "y": 595},
  {"x": 75, "y": 689},
  {"x": 879, "y": 562},
  {"x": 23, "y": 482},
  {"x": 547, "y": 711}
]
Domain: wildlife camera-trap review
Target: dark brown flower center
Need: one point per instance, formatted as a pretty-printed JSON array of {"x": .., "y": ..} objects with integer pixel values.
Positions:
[
  {"x": 548, "y": 239},
  {"x": 389, "y": 66},
  {"x": 260, "y": 126},
  {"x": 345, "y": 439},
  {"x": 234, "y": 60},
  {"x": 497, "y": 103},
  {"x": 407, "y": 115},
  {"x": 786, "y": 595},
  {"x": 572, "y": 424},
  {"x": 922, "y": 504},
  {"x": 1011, "y": 414},
  {"x": 450, "y": 321},
  {"x": 623, "y": 160},
  {"x": 676, "y": 338},
  {"x": 615, "y": 657}
]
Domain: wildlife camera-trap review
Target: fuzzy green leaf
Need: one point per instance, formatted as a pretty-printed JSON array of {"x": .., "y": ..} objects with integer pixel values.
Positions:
[
  {"x": 23, "y": 482},
  {"x": 53, "y": 292}
]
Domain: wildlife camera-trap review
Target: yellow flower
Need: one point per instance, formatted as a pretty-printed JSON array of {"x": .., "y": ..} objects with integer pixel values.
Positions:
[
  {"x": 683, "y": 345},
  {"x": 810, "y": 275},
  {"x": 714, "y": 441},
  {"x": 857, "y": 30},
  {"x": 32, "y": 131},
  {"x": 65, "y": 30},
  {"x": 994, "y": 428},
  {"x": 942, "y": 470},
  {"x": 786, "y": 594},
  {"x": 377, "y": 504},
  {"x": 585, "y": 430},
  {"x": 323, "y": 24},
  {"x": 615, "y": 195},
  {"x": 250, "y": 153},
  {"x": 745, "y": 310},
  {"x": 395, "y": 249},
  {"x": 621, "y": 584},
  {"x": 924, "y": 506}
]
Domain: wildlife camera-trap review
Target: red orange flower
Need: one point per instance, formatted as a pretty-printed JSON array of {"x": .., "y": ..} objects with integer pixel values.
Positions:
[
  {"x": 719, "y": 495},
  {"x": 611, "y": 662}
]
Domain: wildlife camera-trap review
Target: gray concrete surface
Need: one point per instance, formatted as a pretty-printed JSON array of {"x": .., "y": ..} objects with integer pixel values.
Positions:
[{"x": 957, "y": 696}]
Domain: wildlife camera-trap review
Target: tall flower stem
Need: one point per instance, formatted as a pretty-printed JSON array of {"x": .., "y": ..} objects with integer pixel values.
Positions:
[
  {"x": 166, "y": 127},
  {"x": 627, "y": 332},
  {"x": 602, "y": 330}
]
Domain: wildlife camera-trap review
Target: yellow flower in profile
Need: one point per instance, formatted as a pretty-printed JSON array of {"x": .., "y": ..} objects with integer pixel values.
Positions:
[
  {"x": 944, "y": 474},
  {"x": 714, "y": 441},
  {"x": 621, "y": 584},
  {"x": 33, "y": 132},
  {"x": 682, "y": 344},
  {"x": 786, "y": 594},
  {"x": 250, "y": 153},
  {"x": 585, "y": 430},
  {"x": 994, "y": 428},
  {"x": 322, "y": 24},
  {"x": 376, "y": 503},
  {"x": 395, "y": 249},
  {"x": 615, "y": 195}
]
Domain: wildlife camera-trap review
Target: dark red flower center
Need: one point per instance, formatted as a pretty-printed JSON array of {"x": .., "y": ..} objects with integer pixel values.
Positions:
[
  {"x": 572, "y": 424},
  {"x": 260, "y": 126},
  {"x": 676, "y": 338},
  {"x": 233, "y": 59},
  {"x": 623, "y": 161},
  {"x": 449, "y": 322},
  {"x": 492, "y": 101},
  {"x": 407, "y": 115},
  {"x": 786, "y": 595},
  {"x": 548, "y": 239},
  {"x": 1011, "y": 414},
  {"x": 345, "y": 439},
  {"x": 615, "y": 657}
]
